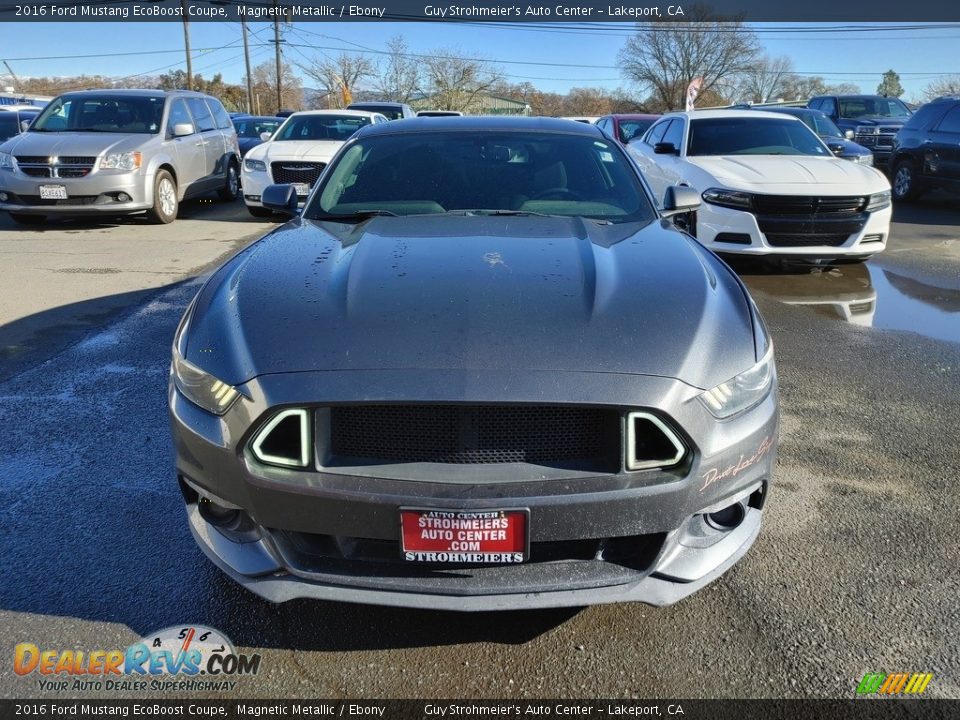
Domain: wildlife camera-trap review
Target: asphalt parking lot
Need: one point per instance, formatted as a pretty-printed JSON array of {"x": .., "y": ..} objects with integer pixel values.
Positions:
[{"x": 855, "y": 570}]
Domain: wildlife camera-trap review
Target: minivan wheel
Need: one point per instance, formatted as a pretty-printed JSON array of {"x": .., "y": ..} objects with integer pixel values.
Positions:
[
  {"x": 22, "y": 219},
  {"x": 165, "y": 203},
  {"x": 231, "y": 187},
  {"x": 904, "y": 182}
]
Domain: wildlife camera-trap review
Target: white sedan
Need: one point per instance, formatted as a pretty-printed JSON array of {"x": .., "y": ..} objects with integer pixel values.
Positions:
[
  {"x": 298, "y": 152},
  {"x": 770, "y": 186}
]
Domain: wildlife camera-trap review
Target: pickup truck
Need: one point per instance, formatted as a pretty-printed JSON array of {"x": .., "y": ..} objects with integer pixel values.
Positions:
[{"x": 875, "y": 120}]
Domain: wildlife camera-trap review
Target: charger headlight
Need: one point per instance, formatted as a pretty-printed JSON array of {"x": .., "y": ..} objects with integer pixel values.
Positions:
[
  {"x": 742, "y": 392},
  {"x": 878, "y": 201},
  {"x": 121, "y": 161},
  {"x": 728, "y": 198}
]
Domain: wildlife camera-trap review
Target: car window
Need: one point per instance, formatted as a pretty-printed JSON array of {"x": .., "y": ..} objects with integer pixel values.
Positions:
[
  {"x": 219, "y": 114},
  {"x": 926, "y": 116},
  {"x": 951, "y": 121},
  {"x": 656, "y": 132},
  {"x": 674, "y": 133},
  {"x": 102, "y": 113},
  {"x": 829, "y": 106},
  {"x": 320, "y": 127},
  {"x": 178, "y": 115},
  {"x": 822, "y": 124},
  {"x": 9, "y": 126},
  {"x": 253, "y": 127},
  {"x": 389, "y": 111},
  {"x": 854, "y": 108},
  {"x": 201, "y": 114},
  {"x": 753, "y": 136},
  {"x": 470, "y": 171},
  {"x": 630, "y": 129}
]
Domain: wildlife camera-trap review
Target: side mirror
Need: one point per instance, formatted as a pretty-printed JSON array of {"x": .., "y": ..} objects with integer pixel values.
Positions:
[
  {"x": 849, "y": 135},
  {"x": 835, "y": 148},
  {"x": 281, "y": 198},
  {"x": 24, "y": 125},
  {"x": 663, "y": 148},
  {"x": 679, "y": 199},
  {"x": 182, "y": 129},
  {"x": 265, "y": 136}
]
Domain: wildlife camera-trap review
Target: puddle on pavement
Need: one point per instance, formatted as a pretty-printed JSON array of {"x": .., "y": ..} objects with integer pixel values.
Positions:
[{"x": 867, "y": 295}]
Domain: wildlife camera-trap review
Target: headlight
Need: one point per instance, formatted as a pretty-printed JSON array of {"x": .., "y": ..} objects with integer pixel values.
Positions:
[
  {"x": 201, "y": 388},
  {"x": 7, "y": 162},
  {"x": 728, "y": 198},
  {"x": 867, "y": 130},
  {"x": 864, "y": 159},
  {"x": 742, "y": 392},
  {"x": 254, "y": 165},
  {"x": 878, "y": 201},
  {"x": 121, "y": 161}
]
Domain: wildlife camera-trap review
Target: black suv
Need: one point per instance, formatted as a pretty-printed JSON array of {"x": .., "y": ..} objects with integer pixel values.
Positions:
[
  {"x": 926, "y": 151},
  {"x": 874, "y": 119}
]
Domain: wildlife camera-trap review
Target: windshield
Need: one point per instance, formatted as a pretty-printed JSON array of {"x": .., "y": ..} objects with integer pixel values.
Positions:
[
  {"x": 873, "y": 107},
  {"x": 392, "y": 112},
  {"x": 320, "y": 127},
  {"x": 482, "y": 172},
  {"x": 254, "y": 127},
  {"x": 102, "y": 113},
  {"x": 753, "y": 136},
  {"x": 630, "y": 129}
]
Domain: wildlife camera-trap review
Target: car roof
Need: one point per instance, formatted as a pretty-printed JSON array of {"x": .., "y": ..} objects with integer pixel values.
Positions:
[
  {"x": 725, "y": 113},
  {"x": 257, "y": 117},
  {"x": 482, "y": 123},
  {"x": 375, "y": 103},
  {"x": 342, "y": 113},
  {"x": 137, "y": 92},
  {"x": 633, "y": 116}
]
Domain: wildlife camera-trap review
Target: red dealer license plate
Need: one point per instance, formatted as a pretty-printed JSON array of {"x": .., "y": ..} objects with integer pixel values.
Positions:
[{"x": 464, "y": 536}]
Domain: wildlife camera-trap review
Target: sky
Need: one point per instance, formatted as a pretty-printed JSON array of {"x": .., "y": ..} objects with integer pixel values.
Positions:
[{"x": 550, "y": 56}]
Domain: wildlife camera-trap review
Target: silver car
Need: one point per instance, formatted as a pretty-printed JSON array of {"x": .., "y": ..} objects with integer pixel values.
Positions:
[{"x": 109, "y": 152}]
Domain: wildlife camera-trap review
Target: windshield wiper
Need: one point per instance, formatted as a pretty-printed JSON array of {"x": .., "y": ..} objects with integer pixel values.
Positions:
[{"x": 357, "y": 216}]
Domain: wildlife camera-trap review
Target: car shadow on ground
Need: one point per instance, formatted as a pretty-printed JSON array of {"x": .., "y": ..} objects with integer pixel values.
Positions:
[{"x": 936, "y": 207}]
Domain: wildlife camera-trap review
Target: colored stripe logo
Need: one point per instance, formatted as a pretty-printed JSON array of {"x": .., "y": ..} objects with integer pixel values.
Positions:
[{"x": 894, "y": 683}]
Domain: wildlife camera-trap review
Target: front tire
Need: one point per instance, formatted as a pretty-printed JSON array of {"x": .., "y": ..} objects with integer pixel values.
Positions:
[
  {"x": 905, "y": 186},
  {"x": 231, "y": 187},
  {"x": 260, "y": 212},
  {"x": 33, "y": 220},
  {"x": 165, "y": 202}
]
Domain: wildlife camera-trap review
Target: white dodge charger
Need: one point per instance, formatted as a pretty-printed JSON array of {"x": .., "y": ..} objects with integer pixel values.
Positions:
[
  {"x": 298, "y": 152},
  {"x": 770, "y": 186}
]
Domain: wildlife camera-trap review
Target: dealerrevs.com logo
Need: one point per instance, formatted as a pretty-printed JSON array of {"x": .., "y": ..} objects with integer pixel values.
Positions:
[
  {"x": 174, "y": 659},
  {"x": 894, "y": 683}
]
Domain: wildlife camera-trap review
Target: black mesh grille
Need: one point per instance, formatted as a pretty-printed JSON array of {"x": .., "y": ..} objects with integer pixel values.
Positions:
[
  {"x": 296, "y": 172},
  {"x": 36, "y": 171},
  {"x": 808, "y": 205},
  {"x": 476, "y": 434},
  {"x": 806, "y": 240}
]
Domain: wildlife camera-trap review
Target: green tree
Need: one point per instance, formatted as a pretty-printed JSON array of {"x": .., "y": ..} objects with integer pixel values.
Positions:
[{"x": 890, "y": 85}]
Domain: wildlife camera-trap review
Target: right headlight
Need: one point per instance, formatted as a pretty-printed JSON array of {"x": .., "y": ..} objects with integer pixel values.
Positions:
[
  {"x": 742, "y": 392},
  {"x": 878, "y": 201},
  {"x": 728, "y": 198},
  {"x": 251, "y": 165},
  {"x": 202, "y": 388}
]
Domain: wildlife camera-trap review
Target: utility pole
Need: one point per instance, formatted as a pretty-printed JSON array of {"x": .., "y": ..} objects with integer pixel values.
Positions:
[
  {"x": 246, "y": 59},
  {"x": 276, "y": 42},
  {"x": 16, "y": 80},
  {"x": 186, "y": 44}
]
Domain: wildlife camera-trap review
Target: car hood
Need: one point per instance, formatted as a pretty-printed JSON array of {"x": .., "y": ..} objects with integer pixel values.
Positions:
[
  {"x": 315, "y": 150},
  {"x": 74, "y": 143},
  {"x": 474, "y": 293},
  {"x": 784, "y": 174}
]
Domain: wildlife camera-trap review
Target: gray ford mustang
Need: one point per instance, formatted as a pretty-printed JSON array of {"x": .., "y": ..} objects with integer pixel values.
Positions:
[{"x": 480, "y": 371}]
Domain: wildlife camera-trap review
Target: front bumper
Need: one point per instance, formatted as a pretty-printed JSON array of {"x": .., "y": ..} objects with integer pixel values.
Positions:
[
  {"x": 95, "y": 194},
  {"x": 595, "y": 538},
  {"x": 737, "y": 232}
]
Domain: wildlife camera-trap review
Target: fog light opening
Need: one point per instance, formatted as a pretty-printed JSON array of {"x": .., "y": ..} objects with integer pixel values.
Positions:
[
  {"x": 4, "y": 197},
  {"x": 233, "y": 523},
  {"x": 123, "y": 197},
  {"x": 728, "y": 518},
  {"x": 285, "y": 440}
]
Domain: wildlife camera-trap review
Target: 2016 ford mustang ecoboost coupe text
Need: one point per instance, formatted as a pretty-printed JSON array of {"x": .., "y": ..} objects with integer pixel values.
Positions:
[{"x": 479, "y": 371}]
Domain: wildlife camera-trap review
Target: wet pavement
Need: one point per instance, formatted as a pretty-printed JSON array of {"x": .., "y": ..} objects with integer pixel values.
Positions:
[{"x": 855, "y": 569}]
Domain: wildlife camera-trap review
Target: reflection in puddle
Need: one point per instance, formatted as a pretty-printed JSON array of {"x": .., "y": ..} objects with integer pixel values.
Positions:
[{"x": 866, "y": 295}]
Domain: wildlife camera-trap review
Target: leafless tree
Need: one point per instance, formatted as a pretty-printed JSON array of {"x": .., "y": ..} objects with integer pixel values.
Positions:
[
  {"x": 264, "y": 81},
  {"x": 399, "y": 76},
  {"x": 764, "y": 81},
  {"x": 947, "y": 85},
  {"x": 457, "y": 82},
  {"x": 664, "y": 57},
  {"x": 339, "y": 76}
]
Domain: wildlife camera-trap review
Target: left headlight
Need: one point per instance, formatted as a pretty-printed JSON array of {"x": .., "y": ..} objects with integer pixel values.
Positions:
[
  {"x": 728, "y": 198},
  {"x": 743, "y": 391},
  {"x": 878, "y": 201},
  {"x": 121, "y": 161},
  {"x": 6, "y": 161},
  {"x": 202, "y": 388}
]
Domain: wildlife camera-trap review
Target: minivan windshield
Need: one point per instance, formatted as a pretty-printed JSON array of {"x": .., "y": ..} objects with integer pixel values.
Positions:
[
  {"x": 753, "y": 136},
  {"x": 474, "y": 172},
  {"x": 106, "y": 113},
  {"x": 320, "y": 127}
]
